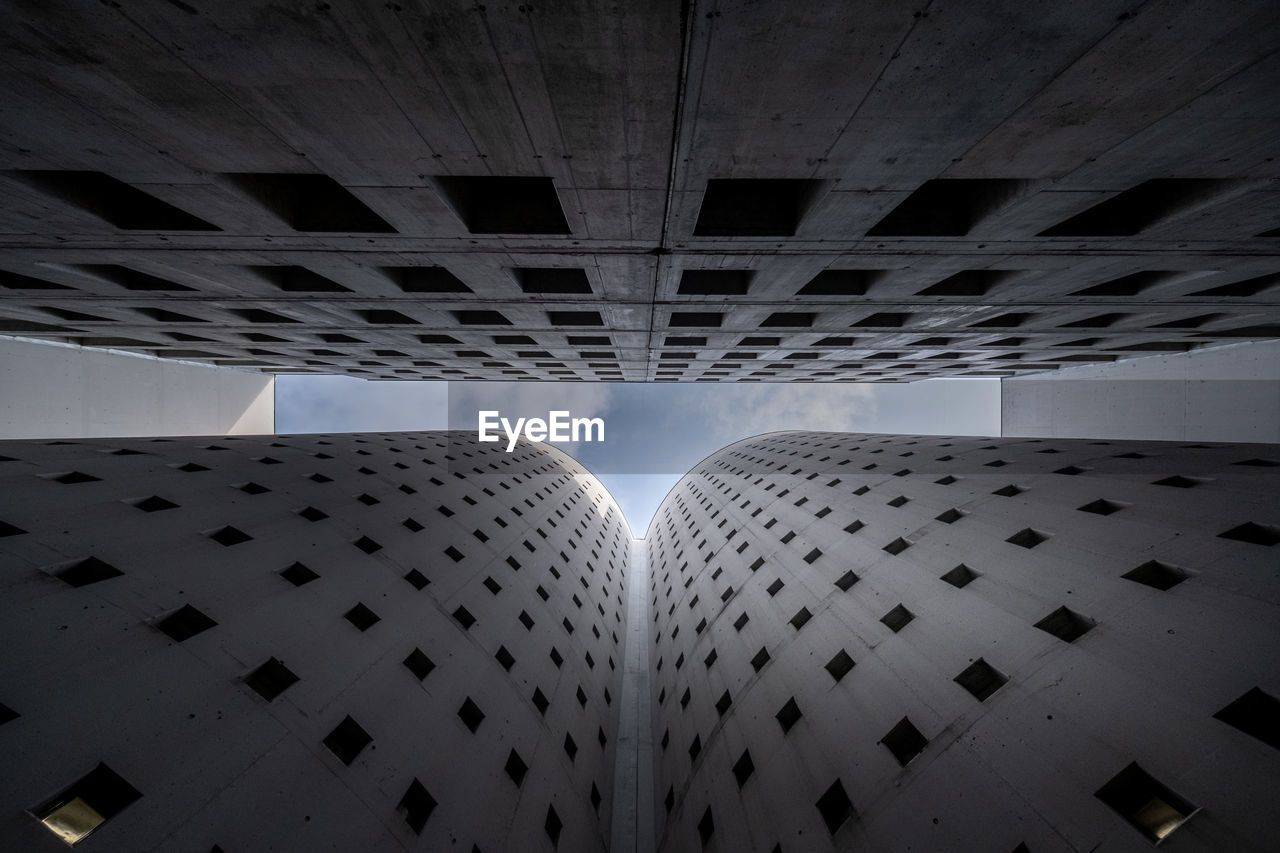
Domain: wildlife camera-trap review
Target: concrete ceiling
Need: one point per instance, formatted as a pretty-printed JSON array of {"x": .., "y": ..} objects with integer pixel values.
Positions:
[{"x": 723, "y": 191}]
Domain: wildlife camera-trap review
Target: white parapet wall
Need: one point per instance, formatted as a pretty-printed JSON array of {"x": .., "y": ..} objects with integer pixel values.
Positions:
[
  {"x": 60, "y": 391},
  {"x": 1229, "y": 393}
]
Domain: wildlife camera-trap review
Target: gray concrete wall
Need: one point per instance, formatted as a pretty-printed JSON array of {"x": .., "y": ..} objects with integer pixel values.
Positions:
[
  {"x": 1229, "y": 393},
  {"x": 53, "y": 391},
  {"x": 764, "y": 533},
  {"x": 413, "y": 526},
  {"x": 627, "y": 111}
]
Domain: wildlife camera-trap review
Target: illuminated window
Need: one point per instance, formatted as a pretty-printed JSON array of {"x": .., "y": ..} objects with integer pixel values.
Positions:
[
  {"x": 1147, "y": 805},
  {"x": 88, "y": 803}
]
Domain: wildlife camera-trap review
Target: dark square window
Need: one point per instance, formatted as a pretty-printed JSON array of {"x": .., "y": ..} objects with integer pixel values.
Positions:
[
  {"x": 570, "y": 747},
  {"x": 464, "y": 617},
  {"x": 310, "y": 513},
  {"x": 516, "y": 768},
  {"x": 228, "y": 536},
  {"x": 453, "y": 554},
  {"x": 904, "y": 741},
  {"x": 490, "y": 204},
  {"x": 839, "y": 665},
  {"x": 740, "y": 622},
  {"x": 184, "y": 623},
  {"x": 897, "y": 618},
  {"x": 1137, "y": 208},
  {"x": 347, "y": 740},
  {"x": 695, "y": 748},
  {"x": 155, "y": 503},
  {"x": 413, "y": 525},
  {"x": 1008, "y": 491},
  {"x": 416, "y": 806},
  {"x": 419, "y": 664},
  {"x": 553, "y": 826},
  {"x": 1027, "y": 538},
  {"x": 575, "y": 318},
  {"x": 947, "y": 207},
  {"x": 540, "y": 701},
  {"x": 364, "y": 543},
  {"x": 753, "y": 207},
  {"x": 416, "y": 579},
  {"x": 960, "y": 577},
  {"x": 743, "y": 768},
  {"x": 897, "y": 546},
  {"x": 812, "y": 556},
  {"x": 846, "y": 580},
  {"x": 298, "y": 574},
  {"x": 710, "y": 319},
  {"x": 788, "y": 715},
  {"x": 723, "y": 703},
  {"x": 122, "y": 205},
  {"x": 840, "y": 283},
  {"x": 1255, "y": 713},
  {"x": 271, "y": 679},
  {"x": 1147, "y": 805},
  {"x": 950, "y": 516},
  {"x": 981, "y": 679},
  {"x": 253, "y": 489},
  {"x": 801, "y": 618},
  {"x": 706, "y": 827},
  {"x": 504, "y": 658},
  {"x": 362, "y": 617},
  {"x": 87, "y": 571},
  {"x": 789, "y": 319},
  {"x": 426, "y": 280},
  {"x": 1157, "y": 575},
  {"x": 835, "y": 806},
  {"x": 761, "y": 658},
  {"x": 714, "y": 283},
  {"x": 1066, "y": 625},
  {"x": 311, "y": 202},
  {"x": 476, "y": 317},
  {"x": 1254, "y": 534},
  {"x": 470, "y": 714}
]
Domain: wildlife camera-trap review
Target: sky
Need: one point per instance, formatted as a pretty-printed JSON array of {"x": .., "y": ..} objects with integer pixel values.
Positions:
[{"x": 653, "y": 433}]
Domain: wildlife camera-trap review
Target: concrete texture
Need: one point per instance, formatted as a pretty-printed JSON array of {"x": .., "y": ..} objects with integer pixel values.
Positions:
[
  {"x": 1223, "y": 394},
  {"x": 51, "y": 391},
  {"x": 808, "y": 596},
  {"x": 1041, "y": 613},
  {"x": 633, "y": 773},
  {"x": 409, "y": 527},
  {"x": 957, "y": 189}
]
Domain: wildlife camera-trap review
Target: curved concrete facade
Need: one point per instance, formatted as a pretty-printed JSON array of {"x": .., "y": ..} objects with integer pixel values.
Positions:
[
  {"x": 356, "y": 642},
  {"x": 890, "y": 643}
]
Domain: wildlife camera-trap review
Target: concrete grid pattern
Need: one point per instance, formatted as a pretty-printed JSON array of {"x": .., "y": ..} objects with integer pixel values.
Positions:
[
  {"x": 350, "y": 642},
  {"x": 708, "y": 191},
  {"x": 866, "y": 642}
]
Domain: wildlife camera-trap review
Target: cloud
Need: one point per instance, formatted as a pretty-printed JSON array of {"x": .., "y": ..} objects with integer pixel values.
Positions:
[
  {"x": 348, "y": 404},
  {"x": 747, "y": 410}
]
